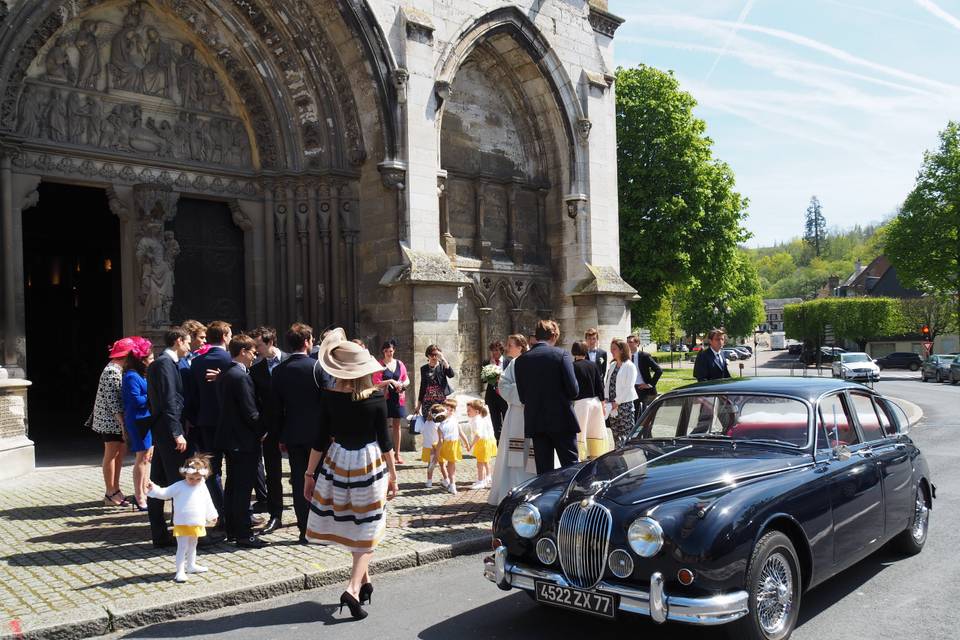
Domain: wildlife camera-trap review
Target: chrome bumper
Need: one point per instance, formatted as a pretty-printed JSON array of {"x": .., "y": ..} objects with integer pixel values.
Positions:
[{"x": 656, "y": 603}]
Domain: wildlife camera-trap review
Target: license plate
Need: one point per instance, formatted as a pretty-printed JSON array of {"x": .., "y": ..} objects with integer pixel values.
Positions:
[{"x": 599, "y": 604}]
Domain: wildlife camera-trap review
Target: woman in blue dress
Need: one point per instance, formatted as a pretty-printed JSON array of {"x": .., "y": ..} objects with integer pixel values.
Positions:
[{"x": 136, "y": 410}]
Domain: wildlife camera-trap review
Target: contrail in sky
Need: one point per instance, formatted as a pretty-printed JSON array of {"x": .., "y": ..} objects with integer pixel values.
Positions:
[
  {"x": 936, "y": 10},
  {"x": 733, "y": 32}
]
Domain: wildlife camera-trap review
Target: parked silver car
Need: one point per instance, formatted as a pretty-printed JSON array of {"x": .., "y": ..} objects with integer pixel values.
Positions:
[
  {"x": 936, "y": 367},
  {"x": 955, "y": 370}
]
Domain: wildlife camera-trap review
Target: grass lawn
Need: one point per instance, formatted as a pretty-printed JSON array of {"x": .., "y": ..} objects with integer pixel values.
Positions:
[{"x": 673, "y": 378}]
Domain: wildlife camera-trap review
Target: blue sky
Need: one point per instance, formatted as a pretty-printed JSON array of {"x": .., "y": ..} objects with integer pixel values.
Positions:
[{"x": 837, "y": 98}]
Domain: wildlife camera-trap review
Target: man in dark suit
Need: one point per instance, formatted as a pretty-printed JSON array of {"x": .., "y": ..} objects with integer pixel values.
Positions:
[
  {"x": 595, "y": 354},
  {"x": 206, "y": 407},
  {"x": 710, "y": 363},
  {"x": 547, "y": 386},
  {"x": 198, "y": 338},
  {"x": 495, "y": 403},
  {"x": 648, "y": 374},
  {"x": 239, "y": 434},
  {"x": 271, "y": 491},
  {"x": 297, "y": 393},
  {"x": 165, "y": 395}
]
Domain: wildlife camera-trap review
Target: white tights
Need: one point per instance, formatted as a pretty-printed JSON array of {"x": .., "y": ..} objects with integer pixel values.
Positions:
[{"x": 187, "y": 557}]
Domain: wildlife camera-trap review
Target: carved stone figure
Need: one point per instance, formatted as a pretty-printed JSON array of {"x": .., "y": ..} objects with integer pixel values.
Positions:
[
  {"x": 127, "y": 57},
  {"x": 189, "y": 76},
  {"x": 165, "y": 134},
  {"x": 154, "y": 278},
  {"x": 90, "y": 117},
  {"x": 156, "y": 73},
  {"x": 57, "y": 63},
  {"x": 181, "y": 136},
  {"x": 88, "y": 48},
  {"x": 112, "y": 136},
  {"x": 57, "y": 121},
  {"x": 31, "y": 112},
  {"x": 171, "y": 249},
  {"x": 212, "y": 97},
  {"x": 75, "y": 122}
]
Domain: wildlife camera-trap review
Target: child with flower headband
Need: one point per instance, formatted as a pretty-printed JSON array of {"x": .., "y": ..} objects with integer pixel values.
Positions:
[
  {"x": 484, "y": 444},
  {"x": 193, "y": 510},
  {"x": 448, "y": 446},
  {"x": 431, "y": 443}
]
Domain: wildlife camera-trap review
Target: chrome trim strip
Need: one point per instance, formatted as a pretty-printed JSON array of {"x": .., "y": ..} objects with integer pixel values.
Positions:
[
  {"x": 708, "y": 611},
  {"x": 746, "y": 476}
]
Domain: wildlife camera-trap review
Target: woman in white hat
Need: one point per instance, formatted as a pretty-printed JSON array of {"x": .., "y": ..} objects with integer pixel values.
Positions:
[{"x": 349, "y": 491}]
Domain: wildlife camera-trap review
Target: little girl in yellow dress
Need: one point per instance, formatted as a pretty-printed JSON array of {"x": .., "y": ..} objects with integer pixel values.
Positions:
[
  {"x": 484, "y": 441},
  {"x": 448, "y": 449},
  {"x": 193, "y": 511}
]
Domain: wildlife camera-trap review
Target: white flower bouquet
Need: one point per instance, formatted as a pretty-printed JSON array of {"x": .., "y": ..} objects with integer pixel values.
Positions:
[{"x": 490, "y": 374}]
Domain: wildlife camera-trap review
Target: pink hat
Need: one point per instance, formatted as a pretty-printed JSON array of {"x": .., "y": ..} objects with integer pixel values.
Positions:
[
  {"x": 122, "y": 347},
  {"x": 141, "y": 347}
]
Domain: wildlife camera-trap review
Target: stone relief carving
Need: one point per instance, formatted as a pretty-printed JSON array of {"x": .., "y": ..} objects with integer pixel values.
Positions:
[
  {"x": 156, "y": 253},
  {"x": 185, "y": 125}
]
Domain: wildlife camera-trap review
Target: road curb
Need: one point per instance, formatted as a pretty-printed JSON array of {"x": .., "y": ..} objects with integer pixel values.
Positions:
[
  {"x": 90, "y": 621},
  {"x": 913, "y": 410}
]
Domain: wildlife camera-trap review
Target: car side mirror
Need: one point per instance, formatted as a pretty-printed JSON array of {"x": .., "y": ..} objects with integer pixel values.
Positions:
[{"x": 842, "y": 452}]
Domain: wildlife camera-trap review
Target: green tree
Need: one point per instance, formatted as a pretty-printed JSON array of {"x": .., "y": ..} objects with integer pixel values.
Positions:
[
  {"x": 936, "y": 311},
  {"x": 856, "y": 319},
  {"x": 737, "y": 305},
  {"x": 680, "y": 217},
  {"x": 815, "y": 229},
  {"x": 923, "y": 241}
]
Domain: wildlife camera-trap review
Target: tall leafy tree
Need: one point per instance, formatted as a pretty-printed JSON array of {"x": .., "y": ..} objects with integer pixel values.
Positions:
[
  {"x": 737, "y": 305},
  {"x": 680, "y": 217},
  {"x": 923, "y": 241},
  {"x": 815, "y": 229},
  {"x": 936, "y": 311}
]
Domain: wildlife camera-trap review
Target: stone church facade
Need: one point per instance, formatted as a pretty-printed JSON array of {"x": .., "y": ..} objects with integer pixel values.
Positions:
[{"x": 431, "y": 171}]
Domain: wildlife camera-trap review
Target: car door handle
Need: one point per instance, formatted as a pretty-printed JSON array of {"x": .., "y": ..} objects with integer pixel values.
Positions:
[
  {"x": 865, "y": 453},
  {"x": 900, "y": 446}
]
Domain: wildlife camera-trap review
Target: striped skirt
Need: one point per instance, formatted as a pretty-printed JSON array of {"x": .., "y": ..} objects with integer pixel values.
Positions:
[{"x": 349, "y": 502}]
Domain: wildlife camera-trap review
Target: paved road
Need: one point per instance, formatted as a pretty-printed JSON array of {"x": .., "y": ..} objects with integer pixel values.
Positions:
[{"x": 884, "y": 596}]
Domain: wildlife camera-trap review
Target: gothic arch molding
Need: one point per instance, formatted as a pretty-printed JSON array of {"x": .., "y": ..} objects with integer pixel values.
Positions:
[{"x": 512, "y": 22}]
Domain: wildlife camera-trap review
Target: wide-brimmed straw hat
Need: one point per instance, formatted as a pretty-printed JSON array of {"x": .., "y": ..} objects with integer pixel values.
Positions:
[{"x": 345, "y": 360}]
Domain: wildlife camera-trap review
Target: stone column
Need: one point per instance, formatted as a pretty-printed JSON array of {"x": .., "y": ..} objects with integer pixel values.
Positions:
[
  {"x": 447, "y": 241},
  {"x": 514, "y": 247},
  {"x": 10, "y": 251},
  {"x": 304, "y": 297},
  {"x": 482, "y": 246},
  {"x": 336, "y": 265},
  {"x": 484, "y": 313},
  {"x": 16, "y": 449},
  {"x": 290, "y": 284},
  {"x": 280, "y": 213},
  {"x": 314, "y": 255},
  {"x": 323, "y": 226},
  {"x": 269, "y": 250},
  {"x": 350, "y": 228}
]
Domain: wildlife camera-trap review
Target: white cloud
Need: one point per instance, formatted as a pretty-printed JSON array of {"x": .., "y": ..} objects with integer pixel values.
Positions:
[
  {"x": 935, "y": 9},
  {"x": 726, "y": 45}
]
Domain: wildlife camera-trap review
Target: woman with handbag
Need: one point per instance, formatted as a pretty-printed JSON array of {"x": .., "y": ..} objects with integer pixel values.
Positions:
[
  {"x": 136, "y": 415},
  {"x": 393, "y": 382},
  {"x": 434, "y": 387}
]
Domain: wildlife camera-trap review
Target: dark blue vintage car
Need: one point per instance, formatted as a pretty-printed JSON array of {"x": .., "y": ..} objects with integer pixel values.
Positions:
[{"x": 732, "y": 499}]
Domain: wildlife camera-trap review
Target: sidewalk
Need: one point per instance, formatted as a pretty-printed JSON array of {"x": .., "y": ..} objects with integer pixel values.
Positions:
[{"x": 74, "y": 568}]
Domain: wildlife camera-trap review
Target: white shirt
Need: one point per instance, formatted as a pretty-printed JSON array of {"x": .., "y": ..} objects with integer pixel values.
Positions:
[
  {"x": 173, "y": 354},
  {"x": 482, "y": 427},
  {"x": 192, "y": 505}
]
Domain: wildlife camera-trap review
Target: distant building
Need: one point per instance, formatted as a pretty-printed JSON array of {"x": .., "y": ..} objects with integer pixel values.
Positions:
[
  {"x": 773, "y": 308},
  {"x": 878, "y": 279}
]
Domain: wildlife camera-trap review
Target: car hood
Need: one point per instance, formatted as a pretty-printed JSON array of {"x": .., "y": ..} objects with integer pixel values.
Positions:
[{"x": 649, "y": 470}]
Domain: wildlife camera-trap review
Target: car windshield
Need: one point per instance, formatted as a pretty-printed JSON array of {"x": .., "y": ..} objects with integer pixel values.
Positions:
[
  {"x": 763, "y": 419},
  {"x": 855, "y": 357}
]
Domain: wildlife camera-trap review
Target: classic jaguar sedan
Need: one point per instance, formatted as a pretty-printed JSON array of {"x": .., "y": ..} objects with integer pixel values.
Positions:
[{"x": 732, "y": 499}]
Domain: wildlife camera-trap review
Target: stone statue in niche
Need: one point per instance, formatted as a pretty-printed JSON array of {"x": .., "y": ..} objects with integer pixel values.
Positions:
[
  {"x": 31, "y": 112},
  {"x": 127, "y": 57},
  {"x": 156, "y": 72},
  {"x": 57, "y": 121},
  {"x": 157, "y": 262},
  {"x": 171, "y": 249},
  {"x": 88, "y": 49},
  {"x": 57, "y": 63}
]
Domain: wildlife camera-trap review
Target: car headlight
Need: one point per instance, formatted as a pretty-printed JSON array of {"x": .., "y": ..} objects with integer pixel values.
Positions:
[
  {"x": 526, "y": 520},
  {"x": 645, "y": 536}
]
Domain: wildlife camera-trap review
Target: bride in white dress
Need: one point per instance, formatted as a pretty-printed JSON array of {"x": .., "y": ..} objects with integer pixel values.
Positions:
[{"x": 515, "y": 462}]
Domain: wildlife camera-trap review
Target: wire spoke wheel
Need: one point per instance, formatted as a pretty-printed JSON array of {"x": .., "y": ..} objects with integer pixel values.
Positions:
[
  {"x": 921, "y": 517},
  {"x": 774, "y": 591}
]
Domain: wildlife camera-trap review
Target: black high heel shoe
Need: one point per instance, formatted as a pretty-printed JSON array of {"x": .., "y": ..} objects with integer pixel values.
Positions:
[
  {"x": 366, "y": 592},
  {"x": 356, "y": 611}
]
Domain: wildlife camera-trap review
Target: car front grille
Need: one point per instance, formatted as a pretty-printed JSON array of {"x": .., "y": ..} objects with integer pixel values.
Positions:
[{"x": 583, "y": 537}]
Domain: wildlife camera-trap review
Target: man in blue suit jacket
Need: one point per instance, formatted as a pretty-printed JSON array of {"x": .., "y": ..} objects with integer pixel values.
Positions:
[
  {"x": 547, "y": 386},
  {"x": 297, "y": 390},
  {"x": 206, "y": 406},
  {"x": 710, "y": 364}
]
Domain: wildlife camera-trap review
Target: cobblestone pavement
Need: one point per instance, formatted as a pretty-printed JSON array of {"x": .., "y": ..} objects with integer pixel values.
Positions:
[{"x": 66, "y": 557}]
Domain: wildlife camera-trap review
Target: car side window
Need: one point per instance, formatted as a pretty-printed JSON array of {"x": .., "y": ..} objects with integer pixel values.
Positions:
[
  {"x": 835, "y": 426},
  {"x": 896, "y": 417},
  {"x": 887, "y": 421},
  {"x": 867, "y": 417},
  {"x": 664, "y": 422}
]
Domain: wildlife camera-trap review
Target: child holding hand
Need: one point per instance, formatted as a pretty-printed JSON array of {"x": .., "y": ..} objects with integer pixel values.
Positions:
[
  {"x": 431, "y": 443},
  {"x": 449, "y": 452},
  {"x": 193, "y": 511},
  {"x": 484, "y": 444}
]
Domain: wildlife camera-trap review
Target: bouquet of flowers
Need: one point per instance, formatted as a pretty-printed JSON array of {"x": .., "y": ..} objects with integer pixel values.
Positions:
[{"x": 490, "y": 374}]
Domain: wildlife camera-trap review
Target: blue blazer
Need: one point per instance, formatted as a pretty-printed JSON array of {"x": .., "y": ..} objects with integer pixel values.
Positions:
[
  {"x": 547, "y": 386},
  {"x": 203, "y": 401},
  {"x": 136, "y": 405},
  {"x": 706, "y": 366}
]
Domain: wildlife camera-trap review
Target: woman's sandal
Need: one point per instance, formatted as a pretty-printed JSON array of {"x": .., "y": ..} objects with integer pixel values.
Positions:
[{"x": 109, "y": 499}]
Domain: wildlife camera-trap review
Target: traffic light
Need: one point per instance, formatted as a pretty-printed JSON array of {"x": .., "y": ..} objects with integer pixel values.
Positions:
[{"x": 925, "y": 332}]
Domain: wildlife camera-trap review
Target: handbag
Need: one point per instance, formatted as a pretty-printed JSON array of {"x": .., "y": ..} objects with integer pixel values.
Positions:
[
  {"x": 143, "y": 426},
  {"x": 415, "y": 426}
]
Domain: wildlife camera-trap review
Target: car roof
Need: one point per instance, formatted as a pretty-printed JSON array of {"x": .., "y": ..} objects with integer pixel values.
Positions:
[{"x": 794, "y": 387}]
